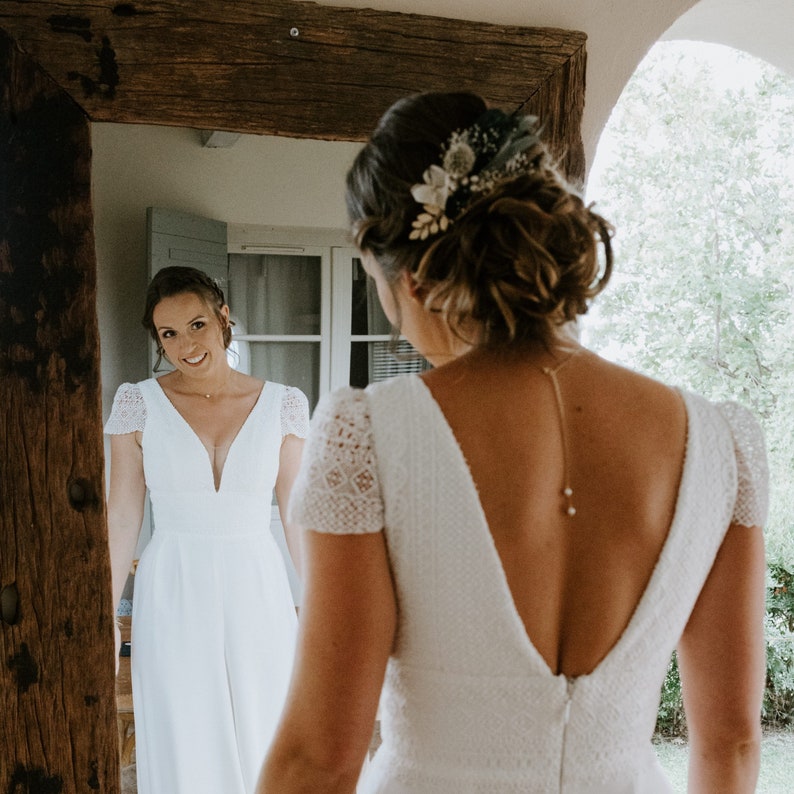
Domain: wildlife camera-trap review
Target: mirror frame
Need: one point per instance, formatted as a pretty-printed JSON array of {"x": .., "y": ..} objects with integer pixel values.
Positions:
[{"x": 234, "y": 65}]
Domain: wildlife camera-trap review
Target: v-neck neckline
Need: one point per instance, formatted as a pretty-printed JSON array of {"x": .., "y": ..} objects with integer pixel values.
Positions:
[
  {"x": 196, "y": 436},
  {"x": 495, "y": 561}
]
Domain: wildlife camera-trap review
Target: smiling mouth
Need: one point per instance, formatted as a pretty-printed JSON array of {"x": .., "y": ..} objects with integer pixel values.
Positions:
[{"x": 195, "y": 359}]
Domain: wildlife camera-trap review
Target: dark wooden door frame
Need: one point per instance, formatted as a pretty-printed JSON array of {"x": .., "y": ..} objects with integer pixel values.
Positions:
[{"x": 280, "y": 67}]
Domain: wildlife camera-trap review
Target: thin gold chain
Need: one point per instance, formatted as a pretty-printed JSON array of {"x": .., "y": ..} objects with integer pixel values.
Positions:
[{"x": 567, "y": 490}]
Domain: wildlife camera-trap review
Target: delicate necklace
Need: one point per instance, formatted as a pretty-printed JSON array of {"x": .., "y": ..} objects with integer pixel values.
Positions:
[
  {"x": 567, "y": 491},
  {"x": 217, "y": 391}
]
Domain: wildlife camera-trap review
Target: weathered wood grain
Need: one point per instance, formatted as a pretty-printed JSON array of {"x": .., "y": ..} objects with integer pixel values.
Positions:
[
  {"x": 57, "y": 731},
  {"x": 290, "y": 68},
  {"x": 278, "y": 67}
]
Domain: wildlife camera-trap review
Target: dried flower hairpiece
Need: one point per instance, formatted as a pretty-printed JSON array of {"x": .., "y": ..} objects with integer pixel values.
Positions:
[{"x": 473, "y": 162}]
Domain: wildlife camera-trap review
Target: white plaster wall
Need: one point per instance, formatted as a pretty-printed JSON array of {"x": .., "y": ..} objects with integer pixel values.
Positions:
[{"x": 763, "y": 28}]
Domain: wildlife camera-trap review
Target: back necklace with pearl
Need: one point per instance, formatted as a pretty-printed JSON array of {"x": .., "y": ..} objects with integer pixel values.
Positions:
[{"x": 567, "y": 490}]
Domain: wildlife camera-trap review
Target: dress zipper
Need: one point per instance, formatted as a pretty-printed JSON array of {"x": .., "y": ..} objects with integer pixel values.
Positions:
[{"x": 570, "y": 683}]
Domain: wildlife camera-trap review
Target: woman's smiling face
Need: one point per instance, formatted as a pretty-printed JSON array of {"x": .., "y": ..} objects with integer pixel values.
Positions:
[{"x": 190, "y": 332}]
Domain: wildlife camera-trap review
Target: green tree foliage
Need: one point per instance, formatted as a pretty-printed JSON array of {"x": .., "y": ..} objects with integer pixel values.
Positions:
[
  {"x": 699, "y": 183},
  {"x": 700, "y": 188}
]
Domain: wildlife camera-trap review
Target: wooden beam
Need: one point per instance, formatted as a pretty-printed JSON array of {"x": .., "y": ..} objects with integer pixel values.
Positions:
[
  {"x": 284, "y": 67},
  {"x": 278, "y": 67},
  {"x": 57, "y": 730}
]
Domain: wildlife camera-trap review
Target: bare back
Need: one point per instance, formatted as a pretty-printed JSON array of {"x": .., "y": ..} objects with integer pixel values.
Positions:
[{"x": 575, "y": 580}]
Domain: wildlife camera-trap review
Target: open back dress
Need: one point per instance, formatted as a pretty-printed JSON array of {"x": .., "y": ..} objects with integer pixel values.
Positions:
[{"x": 469, "y": 704}]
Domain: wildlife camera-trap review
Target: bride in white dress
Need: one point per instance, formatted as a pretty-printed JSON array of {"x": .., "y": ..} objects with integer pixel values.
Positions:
[
  {"x": 513, "y": 544},
  {"x": 214, "y": 625}
]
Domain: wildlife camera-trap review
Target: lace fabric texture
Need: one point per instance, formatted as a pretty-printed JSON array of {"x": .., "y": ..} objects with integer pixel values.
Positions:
[
  {"x": 752, "y": 495},
  {"x": 337, "y": 487},
  {"x": 294, "y": 413},
  {"x": 128, "y": 413},
  {"x": 338, "y": 490},
  {"x": 469, "y": 704}
]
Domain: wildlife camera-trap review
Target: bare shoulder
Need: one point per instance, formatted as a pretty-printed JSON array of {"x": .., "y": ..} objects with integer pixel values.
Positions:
[
  {"x": 246, "y": 384},
  {"x": 632, "y": 391},
  {"x": 168, "y": 381},
  {"x": 629, "y": 376}
]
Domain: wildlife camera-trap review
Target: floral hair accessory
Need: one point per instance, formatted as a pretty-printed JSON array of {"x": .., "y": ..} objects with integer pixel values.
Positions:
[{"x": 473, "y": 161}]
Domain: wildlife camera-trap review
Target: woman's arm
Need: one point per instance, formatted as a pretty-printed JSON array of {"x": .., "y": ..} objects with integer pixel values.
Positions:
[
  {"x": 347, "y": 627},
  {"x": 722, "y": 663},
  {"x": 125, "y": 506},
  {"x": 288, "y": 465}
]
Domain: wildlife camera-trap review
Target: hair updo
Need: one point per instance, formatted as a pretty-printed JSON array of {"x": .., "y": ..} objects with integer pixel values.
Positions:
[
  {"x": 177, "y": 280},
  {"x": 519, "y": 261}
]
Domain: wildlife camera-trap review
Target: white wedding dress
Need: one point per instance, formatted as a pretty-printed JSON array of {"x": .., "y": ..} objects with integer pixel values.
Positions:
[
  {"x": 214, "y": 624},
  {"x": 469, "y": 704}
]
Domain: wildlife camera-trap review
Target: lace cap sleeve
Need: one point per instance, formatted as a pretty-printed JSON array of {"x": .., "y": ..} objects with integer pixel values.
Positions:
[
  {"x": 294, "y": 413},
  {"x": 337, "y": 488},
  {"x": 128, "y": 413},
  {"x": 752, "y": 498}
]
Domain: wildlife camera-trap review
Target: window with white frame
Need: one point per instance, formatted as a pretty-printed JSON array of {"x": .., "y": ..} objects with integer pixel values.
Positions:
[{"x": 306, "y": 314}]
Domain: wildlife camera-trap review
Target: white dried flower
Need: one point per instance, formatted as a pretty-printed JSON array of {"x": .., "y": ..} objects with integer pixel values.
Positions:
[
  {"x": 502, "y": 141},
  {"x": 435, "y": 189},
  {"x": 459, "y": 159}
]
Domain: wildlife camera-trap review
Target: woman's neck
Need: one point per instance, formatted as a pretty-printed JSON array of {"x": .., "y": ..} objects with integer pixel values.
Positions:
[{"x": 210, "y": 386}]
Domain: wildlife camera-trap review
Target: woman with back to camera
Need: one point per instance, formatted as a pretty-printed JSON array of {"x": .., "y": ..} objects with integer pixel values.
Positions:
[
  {"x": 518, "y": 539},
  {"x": 214, "y": 623}
]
